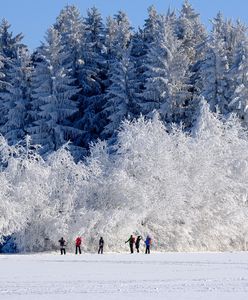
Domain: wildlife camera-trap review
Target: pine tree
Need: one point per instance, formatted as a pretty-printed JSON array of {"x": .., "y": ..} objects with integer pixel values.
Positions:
[
  {"x": 239, "y": 77},
  {"x": 120, "y": 96},
  {"x": 191, "y": 32},
  {"x": 214, "y": 68},
  {"x": 92, "y": 75},
  {"x": 70, "y": 27},
  {"x": 52, "y": 93},
  {"x": 9, "y": 46},
  {"x": 141, "y": 42},
  {"x": 193, "y": 37},
  {"x": 151, "y": 25},
  {"x": 17, "y": 97},
  {"x": 165, "y": 87}
]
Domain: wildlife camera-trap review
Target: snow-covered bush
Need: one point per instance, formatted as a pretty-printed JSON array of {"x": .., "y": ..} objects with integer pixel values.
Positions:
[{"x": 188, "y": 191}]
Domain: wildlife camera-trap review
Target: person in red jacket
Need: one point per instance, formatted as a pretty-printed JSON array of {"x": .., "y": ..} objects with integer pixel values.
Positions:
[{"x": 78, "y": 243}]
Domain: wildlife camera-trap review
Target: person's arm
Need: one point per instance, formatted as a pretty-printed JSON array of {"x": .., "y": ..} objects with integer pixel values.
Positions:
[{"x": 128, "y": 240}]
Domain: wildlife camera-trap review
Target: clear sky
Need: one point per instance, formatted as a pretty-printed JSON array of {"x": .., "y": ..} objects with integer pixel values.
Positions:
[{"x": 33, "y": 17}]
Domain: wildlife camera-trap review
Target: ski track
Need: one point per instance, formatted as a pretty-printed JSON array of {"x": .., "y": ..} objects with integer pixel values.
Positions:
[{"x": 121, "y": 276}]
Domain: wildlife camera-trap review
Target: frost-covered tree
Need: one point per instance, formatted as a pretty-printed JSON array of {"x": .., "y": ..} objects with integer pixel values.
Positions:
[
  {"x": 239, "y": 75},
  {"x": 16, "y": 99},
  {"x": 188, "y": 191},
  {"x": 92, "y": 75},
  {"x": 120, "y": 97},
  {"x": 70, "y": 27},
  {"x": 126, "y": 80},
  {"x": 141, "y": 42},
  {"x": 193, "y": 36},
  {"x": 117, "y": 36},
  {"x": 167, "y": 66},
  {"x": 151, "y": 25},
  {"x": 9, "y": 43},
  {"x": 191, "y": 32},
  {"x": 214, "y": 68},
  {"x": 52, "y": 95},
  {"x": 9, "y": 46}
]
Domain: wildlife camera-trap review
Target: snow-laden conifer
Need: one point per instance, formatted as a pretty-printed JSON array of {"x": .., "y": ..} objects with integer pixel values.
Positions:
[
  {"x": 167, "y": 66},
  {"x": 52, "y": 95},
  {"x": 16, "y": 98}
]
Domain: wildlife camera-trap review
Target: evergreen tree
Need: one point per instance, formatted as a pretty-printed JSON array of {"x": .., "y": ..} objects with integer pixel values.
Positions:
[
  {"x": 120, "y": 102},
  {"x": 70, "y": 27},
  {"x": 9, "y": 44},
  {"x": 193, "y": 37},
  {"x": 141, "y": 42},
  {"x": 214, "y": 69},
  {"x": 17, "y": 97},
  {"x": 117, "y": 37},
  {"x": 239, "y": 76},
  {"x": 165, "y": 87},
  {"x": 9, "y": 47},
  {"x": 52, "y": 93},
  {"x": 191, "y": 32},
  {"x": 151, "y": 25},
  {"x": 120, "y": 96},
  {"x": 92, "y": 75}
]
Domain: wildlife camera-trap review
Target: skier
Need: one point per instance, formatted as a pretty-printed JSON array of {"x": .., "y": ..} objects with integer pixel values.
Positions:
[
  {"x": 148, "y": 242},
  {"x": 101, "y": 244},
  {"x": 62, "y": 246},
  {"x": 131, "y": 241},
  {"x": 78, "y": 244},
  {"x": 137, "y": 243}
]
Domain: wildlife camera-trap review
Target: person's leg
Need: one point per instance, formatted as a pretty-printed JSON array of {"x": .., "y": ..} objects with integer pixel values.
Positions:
[
  {"x": 101, "y": 249},
  {"x": 79, "y": 248},
  {"x": 64, "y": 252},
  {"x": 149, "y": 249},
  {"x": 76, "y": 250},
  {"x": 131, "y": 246},
  {"x": 61, "y": 251},
  {"x": 146, "y": 249}
]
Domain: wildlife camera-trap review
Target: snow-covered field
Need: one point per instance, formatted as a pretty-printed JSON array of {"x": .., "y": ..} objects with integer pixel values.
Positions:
[{"x": 177, "y": 276}]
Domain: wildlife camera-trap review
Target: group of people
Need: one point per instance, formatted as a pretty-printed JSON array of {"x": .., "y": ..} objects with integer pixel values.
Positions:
[
  {"x": 78, "y": 243},
  {"x": 132, "y": 242}
]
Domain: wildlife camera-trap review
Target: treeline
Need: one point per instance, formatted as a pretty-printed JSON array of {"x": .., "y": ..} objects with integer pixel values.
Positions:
[{"x": 89, "y": 75}]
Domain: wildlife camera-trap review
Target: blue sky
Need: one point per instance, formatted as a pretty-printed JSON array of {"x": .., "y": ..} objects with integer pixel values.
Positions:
[{"x": 33, "y": 17}]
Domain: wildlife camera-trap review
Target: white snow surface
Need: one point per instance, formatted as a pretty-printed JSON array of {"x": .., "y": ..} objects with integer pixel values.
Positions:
[{"x": 171, "y": 276}]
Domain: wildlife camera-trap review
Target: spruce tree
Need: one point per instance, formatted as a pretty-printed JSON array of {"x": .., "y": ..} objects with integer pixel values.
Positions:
[
  {"x": 17, "y": 97},
  {"x": 52, "y": 95},
  {"x": 166, "y": 86},
  {"x": 120, "y": 96}
]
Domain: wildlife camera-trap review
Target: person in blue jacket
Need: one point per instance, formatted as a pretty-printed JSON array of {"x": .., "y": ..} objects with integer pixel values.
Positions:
[{"x": 148, "y": 242}]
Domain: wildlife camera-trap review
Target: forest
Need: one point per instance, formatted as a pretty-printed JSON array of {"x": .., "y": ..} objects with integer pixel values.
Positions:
[
  {"x": 88, "y": 75},
  {"x": 107, "y": 130}
]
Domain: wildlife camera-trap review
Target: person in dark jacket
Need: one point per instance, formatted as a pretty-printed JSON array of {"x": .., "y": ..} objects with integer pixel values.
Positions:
[
  {"x": 78, "y": 243},
  {"x": 62, "y": 244},
  {"x": 101, "y": 244},
  {"x": 131, "y": 242},
  {"x": 148, "y": 242},
  {"x": 137, "y": 243}
]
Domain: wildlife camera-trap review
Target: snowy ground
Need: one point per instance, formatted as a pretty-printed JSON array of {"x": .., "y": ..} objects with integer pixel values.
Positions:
[{"x": 178, "y": 276}]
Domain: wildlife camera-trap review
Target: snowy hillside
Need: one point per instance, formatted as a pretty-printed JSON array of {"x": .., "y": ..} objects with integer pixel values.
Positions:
[
  {"x": 188, "y": 191},
  {"x": 109, "y": 277}
]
